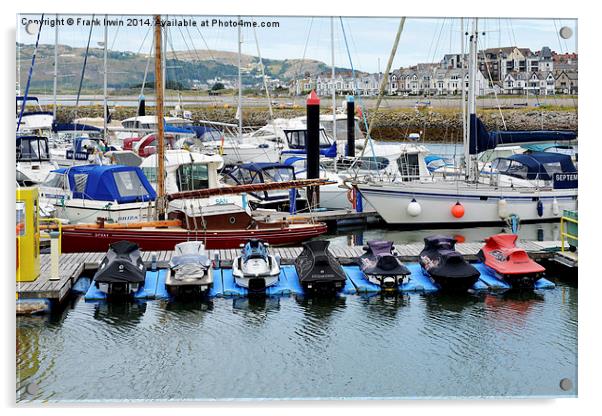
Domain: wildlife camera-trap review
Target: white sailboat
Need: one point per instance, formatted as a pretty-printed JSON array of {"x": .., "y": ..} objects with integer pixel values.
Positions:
[{"x": 533, "y": 187}]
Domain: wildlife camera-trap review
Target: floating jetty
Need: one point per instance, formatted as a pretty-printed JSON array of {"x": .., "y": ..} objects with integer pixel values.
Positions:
[{"x": 74, "y": 266}]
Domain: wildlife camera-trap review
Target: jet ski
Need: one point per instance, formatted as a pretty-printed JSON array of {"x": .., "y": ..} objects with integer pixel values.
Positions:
[
  {"x": 255, "y": 269},
  {"x": 381, "y": 266},
  {"x": 445, "y": 266},
  {"x": 121, "y": 271},
  {"x": 190, "y": 270},
  {"x": 510, "y": 263},
  {"x": 318, "y": 269}
]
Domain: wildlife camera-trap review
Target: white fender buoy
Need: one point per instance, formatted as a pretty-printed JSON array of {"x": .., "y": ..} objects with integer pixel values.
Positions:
[
  {"x": 414, "y": 209},
  {"x": 502, "y": 208},
  {"x": 555, "y": 207}
]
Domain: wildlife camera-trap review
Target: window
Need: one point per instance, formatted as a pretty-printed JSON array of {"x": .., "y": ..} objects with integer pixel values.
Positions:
[
  {"x": 150, "y": 173},
  {"x": 129, "y": 184},
  {"x": 553, "y": 168},
  {"x": 297, "y": 139},
  {"x": 56, "y": 180},
  {"x": 80, "y": 179},
  {"x": 192, "y": 176},
  {"x": 408, "y": 166},
  {"x": 32, "y": 149}
]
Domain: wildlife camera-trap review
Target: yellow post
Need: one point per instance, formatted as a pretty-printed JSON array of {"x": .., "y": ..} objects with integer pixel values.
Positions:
[{"x": 28, "y": 235}]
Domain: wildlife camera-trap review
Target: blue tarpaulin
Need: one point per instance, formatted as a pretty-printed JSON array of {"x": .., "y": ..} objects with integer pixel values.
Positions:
[{"x": 122, "y": 184}]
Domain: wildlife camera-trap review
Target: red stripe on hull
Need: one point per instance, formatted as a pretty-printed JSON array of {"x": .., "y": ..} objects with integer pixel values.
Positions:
[{"x": 90, "y": 240}]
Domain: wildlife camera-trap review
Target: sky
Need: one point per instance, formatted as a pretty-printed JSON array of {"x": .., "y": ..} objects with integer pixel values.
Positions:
[{"x": 369, "y": 39}]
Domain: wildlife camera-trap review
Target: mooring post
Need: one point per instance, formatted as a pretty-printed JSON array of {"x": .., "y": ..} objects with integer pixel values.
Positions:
[
  {"x": 312, "y": 147},
  {"x": 350, "y": 126},
  {"x": 54, "y": 256}
]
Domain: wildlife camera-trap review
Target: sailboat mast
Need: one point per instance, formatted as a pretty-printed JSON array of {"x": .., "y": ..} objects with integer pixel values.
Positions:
[
  {"x": 56, "y": 66},
  {"x": 106, "y": 115},
  {"x": 160, "y": 204},
  {"x": 334, "y": 90},
  {"x": 463, "y": 86},
  {"x": 472, "y": 87},
  {"x": 239, "y": 80}
]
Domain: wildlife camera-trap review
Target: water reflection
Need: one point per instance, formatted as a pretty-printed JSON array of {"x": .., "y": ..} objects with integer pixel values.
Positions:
[
  {"x": 359, "y": 235},
  {"x": 125, "y": 313},
  {"x": 255, "y": 310},
  {"x": 384, "y": 307}
]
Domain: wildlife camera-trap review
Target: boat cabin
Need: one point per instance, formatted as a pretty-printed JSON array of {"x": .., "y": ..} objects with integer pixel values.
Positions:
[{"x": 185, "y": 171}]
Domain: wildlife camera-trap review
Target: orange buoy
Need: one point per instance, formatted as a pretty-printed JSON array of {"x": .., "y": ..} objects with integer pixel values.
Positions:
[
  {"x": 459, "y": 238},
  {"x": 458, "y": 210}
]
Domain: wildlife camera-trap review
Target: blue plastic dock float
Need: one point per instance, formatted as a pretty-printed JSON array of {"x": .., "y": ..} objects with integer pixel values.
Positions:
[
  {"x": 288, "y": 283},
  {"x": 357, "y": 277},
  {"x": 154, "y": 288},
  {"x": 489, "y": 280},
  {"x": 217, "y": 288},
  {"x": 417, "y": 281}
]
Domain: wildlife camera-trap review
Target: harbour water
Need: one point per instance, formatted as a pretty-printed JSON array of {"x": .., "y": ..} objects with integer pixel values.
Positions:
[{"x": 416, "y": 345}]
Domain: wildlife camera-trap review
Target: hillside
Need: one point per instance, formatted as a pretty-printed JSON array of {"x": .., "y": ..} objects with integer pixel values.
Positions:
[{"x": 126, "y": 69}]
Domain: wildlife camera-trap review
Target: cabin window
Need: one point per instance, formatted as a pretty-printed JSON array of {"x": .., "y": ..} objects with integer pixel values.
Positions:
[
  {"x": 55, "y": 180},
  {"x": 32, "y": 149},
  {"x": 129, "y": 184},
  {"x": 192, "y": 177},
  {"x": 297, "y": 139},
  {"x": 150, "y": 173},
  {"x": 372, "y": 163},
  {"x": 278, "y": 175},
  {"x": 553, "y": 168},
  {"x": 408, "y": 166},
  {"x": 80, "y": 179}
]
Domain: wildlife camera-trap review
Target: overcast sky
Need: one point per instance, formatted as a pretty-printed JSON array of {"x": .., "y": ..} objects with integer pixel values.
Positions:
[{"x": 369, "y": 39}]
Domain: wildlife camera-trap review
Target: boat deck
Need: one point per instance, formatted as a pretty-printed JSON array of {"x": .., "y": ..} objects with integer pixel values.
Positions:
[{"x": 73, "y": 265}]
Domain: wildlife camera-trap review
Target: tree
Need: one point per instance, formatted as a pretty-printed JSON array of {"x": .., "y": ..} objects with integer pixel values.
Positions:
[{"x": 217, "y": 86}]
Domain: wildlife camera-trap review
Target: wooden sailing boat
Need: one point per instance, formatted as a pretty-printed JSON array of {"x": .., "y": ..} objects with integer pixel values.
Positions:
[{"x": 219, "y": 226}]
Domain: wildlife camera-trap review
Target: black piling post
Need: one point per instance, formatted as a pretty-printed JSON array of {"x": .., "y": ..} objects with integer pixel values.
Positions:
[
  {"x": 350, "y": 126},
  {"x": 312, "y": 147},
  {"x": 141, "y": 106}
]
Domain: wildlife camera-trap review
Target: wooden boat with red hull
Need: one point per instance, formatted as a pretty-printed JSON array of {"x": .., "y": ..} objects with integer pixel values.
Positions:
[{"x": 221, "y": 230}]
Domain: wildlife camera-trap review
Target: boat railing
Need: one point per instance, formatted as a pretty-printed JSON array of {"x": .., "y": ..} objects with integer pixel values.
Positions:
[{"x": 565, "y": 234}]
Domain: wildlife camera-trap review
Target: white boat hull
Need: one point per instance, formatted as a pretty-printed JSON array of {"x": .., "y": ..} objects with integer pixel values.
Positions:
[{"x": 481, "y": 204}]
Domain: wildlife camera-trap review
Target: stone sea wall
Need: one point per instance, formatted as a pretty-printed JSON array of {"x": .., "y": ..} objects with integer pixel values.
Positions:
[{"x": 433, "y": 124}]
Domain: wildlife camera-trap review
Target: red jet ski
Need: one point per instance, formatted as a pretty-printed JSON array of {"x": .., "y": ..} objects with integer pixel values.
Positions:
[{"x": 511, "y": 263}]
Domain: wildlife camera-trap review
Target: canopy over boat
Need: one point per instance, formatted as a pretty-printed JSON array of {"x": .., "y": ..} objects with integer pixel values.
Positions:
[
  {"x": 537, "y": 165},
  {"x": 121, "y": 184},
  {"x": 68, "y": 127},
  {"x": 481, "y": 139}
]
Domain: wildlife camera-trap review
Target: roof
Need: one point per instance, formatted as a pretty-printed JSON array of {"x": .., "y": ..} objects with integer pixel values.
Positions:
[{"x": 101, "y": 184}]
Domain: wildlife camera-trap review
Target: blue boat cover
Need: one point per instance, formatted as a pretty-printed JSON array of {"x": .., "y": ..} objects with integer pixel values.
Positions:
[
  {"x": 56, "y": 127},
  {"x": 536, "y": 164},
  {"x": 121, "y": 184},
  {"x": 481, "y": 139}
]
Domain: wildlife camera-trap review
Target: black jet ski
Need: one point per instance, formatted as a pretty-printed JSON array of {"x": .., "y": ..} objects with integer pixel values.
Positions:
[
  {"x": 255, "y": 269},
  {"x": 121, "y": 271},
  {"x": 318, "y": 269},
  {"x": 190, "y": 270},
  {"x": 445, "y": 266},
  {"x": 381, "y": 266}
]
